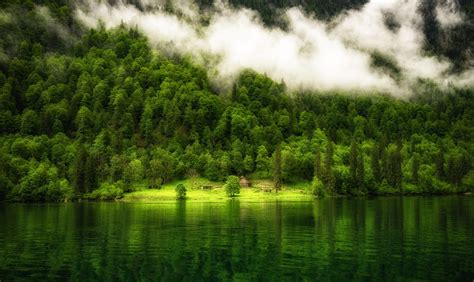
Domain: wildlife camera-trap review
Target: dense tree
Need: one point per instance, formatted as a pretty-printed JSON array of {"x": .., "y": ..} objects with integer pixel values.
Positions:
[
  {"x": 361, "y": 173},
  {"x": 415, "y": 167},
  {"x": 440, "y": 172},
  {"x": 262, "y": 161},
  {"x": 375, "y": 163},
  {"x": 107, "y": 115},
  {"x": 317, "y": 165},
  {"x": 134, "y": 172},
  {"x": 277, "y": 175},
  {"x": 393, "y": 166},
  {"x": 353, "y": 167},
  {"x": 329, "y": 177}
]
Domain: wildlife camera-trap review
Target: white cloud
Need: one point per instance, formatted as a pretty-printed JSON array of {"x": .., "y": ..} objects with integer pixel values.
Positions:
[
  {"x": 448, "y": 14},
  {"x": 366, "y": 29},
  {"x": 309, "y": 54},
  {"x": 53, "y": 25}
]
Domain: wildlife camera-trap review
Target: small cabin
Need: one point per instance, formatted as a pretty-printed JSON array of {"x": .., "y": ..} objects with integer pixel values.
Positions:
[
  {"x": 244, "y": 182},
  {"x": 206, "y": 187}
]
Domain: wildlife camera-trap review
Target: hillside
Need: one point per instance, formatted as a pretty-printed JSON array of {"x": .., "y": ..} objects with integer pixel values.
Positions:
[{"x": 93, "y": 109}]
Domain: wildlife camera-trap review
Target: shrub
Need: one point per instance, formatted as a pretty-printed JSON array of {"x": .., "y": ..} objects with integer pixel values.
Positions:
[
  {"x": 385, "y": 189},
  {"x": 180, "y": 192},
  {"x": 59, "y": 191},
  {"x": 106, "y": 191}
]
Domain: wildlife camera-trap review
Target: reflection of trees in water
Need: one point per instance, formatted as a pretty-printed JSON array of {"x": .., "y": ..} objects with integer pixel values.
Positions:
[{"x": 329, "y": 239}]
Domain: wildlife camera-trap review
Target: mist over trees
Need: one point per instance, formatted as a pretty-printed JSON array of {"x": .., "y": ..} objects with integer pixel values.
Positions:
[{"x": 104, "y": 114}]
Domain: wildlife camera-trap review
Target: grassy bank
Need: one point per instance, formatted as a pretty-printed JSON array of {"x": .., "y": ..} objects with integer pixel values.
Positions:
[{"x": 255, "y": 193}]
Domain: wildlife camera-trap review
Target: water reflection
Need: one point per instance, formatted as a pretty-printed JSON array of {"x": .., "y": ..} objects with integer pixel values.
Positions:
[{"x": 392, "y": 238}]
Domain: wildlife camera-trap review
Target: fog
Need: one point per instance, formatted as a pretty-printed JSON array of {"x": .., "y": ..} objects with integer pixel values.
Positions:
[{"x": 308, "y": 54}]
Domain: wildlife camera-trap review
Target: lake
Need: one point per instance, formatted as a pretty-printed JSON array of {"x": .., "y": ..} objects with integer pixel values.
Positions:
[{"x": 337, "y": 239}]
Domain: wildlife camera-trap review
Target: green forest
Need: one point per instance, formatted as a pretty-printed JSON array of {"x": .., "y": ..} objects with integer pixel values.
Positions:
[{"x": 98, "y": 111}]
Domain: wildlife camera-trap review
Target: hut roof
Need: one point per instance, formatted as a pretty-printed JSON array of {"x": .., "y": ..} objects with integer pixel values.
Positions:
[{"x": 244, "y": 182}]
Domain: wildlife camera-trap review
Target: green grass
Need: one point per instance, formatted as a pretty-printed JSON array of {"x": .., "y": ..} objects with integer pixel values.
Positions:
[{"x": 293, "y": 192}]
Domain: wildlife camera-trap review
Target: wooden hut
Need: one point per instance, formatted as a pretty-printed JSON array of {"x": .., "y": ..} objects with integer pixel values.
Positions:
[
  {"x": 206, "y": 187},
  {"x": 244, "y": 182}
]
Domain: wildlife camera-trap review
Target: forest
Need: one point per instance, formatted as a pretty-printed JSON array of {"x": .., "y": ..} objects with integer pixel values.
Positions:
[{"x": 85, "y": 112}]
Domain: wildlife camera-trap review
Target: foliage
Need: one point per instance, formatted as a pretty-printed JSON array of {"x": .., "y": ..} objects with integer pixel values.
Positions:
[
  {"x": 277, "y": 174},
  {"x": 468, "y": 181},
  {"x": 319, "y": 190},
  {"x": 180, "y": 192},
  {"x": 107, "y": 191},
  {"x": 232, "y": 186},
  {"x": 41, "y": 183},
  {"x": 74, "y": 120}
]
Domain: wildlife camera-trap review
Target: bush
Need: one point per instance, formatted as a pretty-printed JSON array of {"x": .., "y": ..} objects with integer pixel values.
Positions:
[
  {"x": 59, "y": 191},
  {"x": 107, "y": 191},
  {"x": 431, "y": 185},
  {"x": 232, "y": 186},
  {"x": 40, "y": 184},
  {"x": 319, "y": 190},
  {"x": 180, "y": 192},
  {"x": 409, "y": 188},
  {"x": 385, "y": 189}
]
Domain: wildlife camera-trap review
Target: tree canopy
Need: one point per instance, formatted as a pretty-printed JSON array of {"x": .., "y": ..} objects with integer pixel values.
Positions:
[{"x": 107, "y": 113}]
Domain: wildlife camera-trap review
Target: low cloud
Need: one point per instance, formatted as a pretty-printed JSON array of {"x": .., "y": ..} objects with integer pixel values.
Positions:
[
  {"x": 448, "y": 14},
  {"x": 309, "y": 53},
  {"x": 52, "y": 25}
]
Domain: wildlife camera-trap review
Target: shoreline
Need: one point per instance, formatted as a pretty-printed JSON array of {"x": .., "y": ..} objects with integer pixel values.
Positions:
[
  {"x": 131, "y": 197},
  {"x": 258, "y": 192},
  {"x": 294, "y": 192}
]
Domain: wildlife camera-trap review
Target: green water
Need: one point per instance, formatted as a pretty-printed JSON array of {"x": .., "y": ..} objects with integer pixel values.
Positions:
[{"x": 428, "y": 238}]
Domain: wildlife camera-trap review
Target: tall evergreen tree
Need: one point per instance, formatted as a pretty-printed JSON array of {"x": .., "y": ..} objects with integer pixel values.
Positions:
[
  {"x": 394, "y": 166},
  {"x": 79, "y": 175},
  {"x": 277, "y": 168},
  {"x": 361, "y": 172},
  {"x": 317, "y": 164},
  {"x": 439, "y": 162},
  {"x": 415, "y": 168},
  {"x": 329, "y": 178},
  {"x": 90, "y": 175},
  {"x": 375, "y": 163},
  {"x": 353, "y": 164},
  {"x": 451, "y": 170}
]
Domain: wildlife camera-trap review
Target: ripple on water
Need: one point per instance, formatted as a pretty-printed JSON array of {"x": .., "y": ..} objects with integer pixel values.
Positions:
[{"x": 333, "y": 239}]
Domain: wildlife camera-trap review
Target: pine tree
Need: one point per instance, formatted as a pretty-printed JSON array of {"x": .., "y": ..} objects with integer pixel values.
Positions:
[
  {"x": 361, "y": 172},
  {"x": 375, "y": 164},
  {"x": 451, "y": 173},
  {"x": 79, "y": 171},
  {"x": 277, "y": 168},
  {"x": 398, "y": 165},
  {"x": 353, "y": 163},
  {"x": 329, "y": 179},
  {"x": 414, "y": 168},
  {"x": 393, "y": 166},
  {"x": 382, "y": 147},
  {"x": 439, "y": 162},
  {"x": 90, "y": 176},
  {"x": 317, "y": 164}
]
